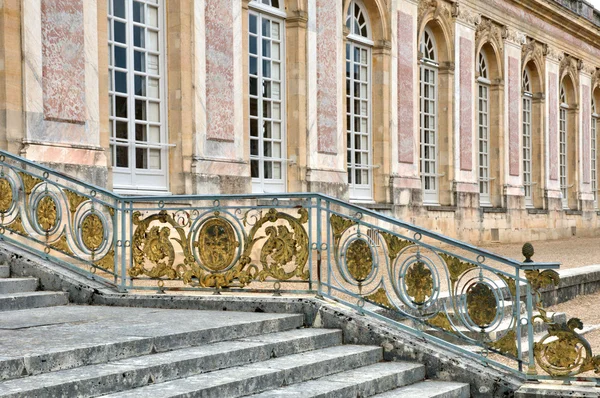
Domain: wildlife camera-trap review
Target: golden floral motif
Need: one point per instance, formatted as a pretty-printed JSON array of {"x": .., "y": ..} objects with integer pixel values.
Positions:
[
  {"x": 380, "y": 297},
  {"x": 29, "y": 182},
  {"x": 108, "y": 261},
  {"x": 507, "y": 344},
  {"x": 456, "y": 267},
  {"x": 419, "y": 282},
  {"x": 46, "y": 213},
  {"x": 539, "y": 280},
  {"x": 6, "y": 195},
  {"x": 441, "y": 321},
  {"x": 92, "y": 232},
  {"x": 17, "y": 226},
  {"x": 62, "y": 245},
  {"x": 339, "y": 225},
  {"x": 359, "y": 259},
  {"x": 481, "y": 304},
  {"x": 217, "y": 244},
  {"x": 74, "y": 200},
  {"x": 394, "y": 244}
]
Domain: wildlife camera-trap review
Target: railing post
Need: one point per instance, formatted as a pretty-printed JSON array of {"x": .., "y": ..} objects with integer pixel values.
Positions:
[
  {"x": 528, "y": 252},
  {"x": 319, "y": 243},
  {"x": 121, "y": 238}
]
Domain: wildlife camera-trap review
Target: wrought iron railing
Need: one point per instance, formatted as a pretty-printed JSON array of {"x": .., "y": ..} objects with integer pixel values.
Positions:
[{"x": 456, "y": 294}]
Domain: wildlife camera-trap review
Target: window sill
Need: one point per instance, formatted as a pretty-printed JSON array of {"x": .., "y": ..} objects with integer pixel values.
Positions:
[
  {"x": 537, "y": 211},
  {"x": 378, "y": 206},
  {"x": 494, "y": 209},
  {"x": 573, "y": 212},
  {"x": 441, "y": 208}
]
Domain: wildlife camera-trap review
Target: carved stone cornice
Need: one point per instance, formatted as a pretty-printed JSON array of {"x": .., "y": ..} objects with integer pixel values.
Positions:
[
  {"x": 571, "y": 66},
  {"x": 534, "y": 51},
  {"x": 588, "y": 68},
  {"x": 554, "y": 54},
  {"x": 513, "y": 36},
  {"x": 434, "y": 8},
  {"x": 596, "y": 79},
  {"x": 488, "y": 31}
]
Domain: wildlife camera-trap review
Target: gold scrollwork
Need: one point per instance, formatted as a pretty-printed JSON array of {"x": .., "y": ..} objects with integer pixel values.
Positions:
[
  {"x": 217, "y": 244},
  {"x": 394, "y": 244},
  {"x": 359, "y": 259},
  {"x": 442, "y": 321},
  {"x": 107, "y": 262},
  {"x": 507, "y": 344},
  {"x": 17, "y": 226},
  {"x": 380, "y": 297},
  {"x": 456, "y": 267},
  {"x": 92, "y": 232},
  {"x": 46, "y": 213},
  {"x": 74, "y": 200},
  {"x": 29, "y": 182},
  {"x": 62, "y": 245},
  {"x": 339, "y": 225},
  {"x": 482, "y": 306},
  {"x": 6, "y": 195},
  {"x": 419, "y": 282}
]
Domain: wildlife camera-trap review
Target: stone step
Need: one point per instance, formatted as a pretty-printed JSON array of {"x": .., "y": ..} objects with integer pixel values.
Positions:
[
  {"x": 18, "y": 285},
  {"x": 361, "y": 382},
  {"x": 38, "y": 341},
  {"x": 4, "y": 271},
  {"x": 93, "y": 380},
  {"x": 430, "y": 389},
  {"x": 262, "y": 376},
  {"x": 25, "y": 300}
]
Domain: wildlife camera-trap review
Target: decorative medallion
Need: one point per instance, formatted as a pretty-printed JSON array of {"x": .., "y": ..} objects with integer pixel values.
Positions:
[
  {"x": 6, "y": 195},
  {"x": 481, "y": 304},
  {"x": 92, "y": 232},
  {"x": 46, "y": 213},
  {"x": 419, "y": 282},
  {"x": 217, "y": 244},
  {"x": 359, "y": 259}
]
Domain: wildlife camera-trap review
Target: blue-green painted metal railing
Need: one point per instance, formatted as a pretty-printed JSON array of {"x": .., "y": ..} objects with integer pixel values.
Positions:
[{"x": 423, "y": 282}]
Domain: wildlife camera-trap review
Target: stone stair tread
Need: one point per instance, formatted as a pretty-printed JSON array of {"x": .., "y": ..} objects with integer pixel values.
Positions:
[
  {"x": 4, "y": 271},
  {"x": 262, "y": 376},
  {"x": 136, "y": 371},
  {"x": 430, "y": 389},
  {"x": 18, "y": 285},
  {"x": 27, "y": 300},
  {"x": 361, "y": 382}
]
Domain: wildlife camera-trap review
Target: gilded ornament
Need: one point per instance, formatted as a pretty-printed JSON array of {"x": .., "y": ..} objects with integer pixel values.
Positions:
[
  {"x": 92, "y": 232},
  {"x": 511, "y": 283},
  {"x": 359, "y": 259},
  {"x": 46, "y": 213},
  {"x": 74, "y": 200},
  {"x": 394, "y": 244},
  {"x": 481, "y": 304},
  {"x": 6, "y": 195},
  {"x": 456, "y": 267},
  {"x": 380, "y": 297},
  {"x": 340, "y": 225},
  {"x": 62, "y": 245},
  {"x": 217, "y": 244},
  {"x": 419, "y": 282},
  {"x": 441, "y": 321},
  {"x": 507, "y": 344},
  {"x": 17, "y": 226},
  {"x": 539, "y": 280},
  {"x": 107, "y": 262},
  {"x": 29, "y": 182}
]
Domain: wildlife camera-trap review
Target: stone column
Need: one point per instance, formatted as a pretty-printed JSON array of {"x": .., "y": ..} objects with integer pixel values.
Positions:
[
  {"x": 465, "y": 171},
  {"x": 586, "y": 196},
  {"x": 553, "y": 196},
  {"x": 61, "y": 87},
  {"x": 513, "y": 140},
  {"x": 221, "y": 161},
  {"x": 404, "y": 178}
]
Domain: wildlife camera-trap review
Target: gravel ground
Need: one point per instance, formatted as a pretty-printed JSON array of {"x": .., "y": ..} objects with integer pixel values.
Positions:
[
  {"x": 586, "y": 309},
  {"x": 571, "y": 253}
]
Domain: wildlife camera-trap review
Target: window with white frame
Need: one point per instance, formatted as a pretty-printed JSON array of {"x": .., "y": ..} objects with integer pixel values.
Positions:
[
  {"x": 594, "y": 149},
  {"x": 266, "y": 68},
  {"x": 483, "y": 127},
  {"x": 562, "y": 147},
  {"x": 428, "y": 72},
  {"x": 138, "y": 136},
  {"x": 358, "y": 103},
  {"x": 527, "y": 140}
]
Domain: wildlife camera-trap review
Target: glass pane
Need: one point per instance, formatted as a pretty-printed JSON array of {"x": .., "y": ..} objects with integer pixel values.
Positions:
[
  {"x": 275, "y": 30},
  {"x": 152, "y": 44},
  {"x": 277, "y": 130},
  {"x": 140, "y": 109},
  {"x": 154, "y": 134},
  {"x": 277, "y": 170},
  {"x": 138, "y": 12},
  {"x": 119, "y": 8},
  {"x": 253, "y": 24},
  {"x": 122, "y": 156},
  {"x": 120, "y": 32},
  {"x": 153, "y": 17},
  {"x": 121, "y": 82},
  {"x": 121, "y": 106},
  {"x": 141, "y": 158},
  {"x": 121, "y": 130},
  {"x": 140, "y": 85},
  {"x": 153, "y": 66},
  {"x": 139, "y": 37},
  {"x": 254, "y": 168},
  {"x": 254, "y": 127},
  {"x": 153, "y": 88},
  {"x": 139, "y": 61},
  {"x": 154, "y": 159},
  {"x": 140, "y": 132},
  {"x": 120, "y": 57},
  {"x": 154, "y": 112}
]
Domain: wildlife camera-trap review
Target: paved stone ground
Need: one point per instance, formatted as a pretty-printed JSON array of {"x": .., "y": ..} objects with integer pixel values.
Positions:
[{"x": 571, "y": 253}]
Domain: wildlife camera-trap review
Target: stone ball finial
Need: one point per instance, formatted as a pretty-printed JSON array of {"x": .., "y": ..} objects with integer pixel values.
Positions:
[{"x": 528, "y": 252}]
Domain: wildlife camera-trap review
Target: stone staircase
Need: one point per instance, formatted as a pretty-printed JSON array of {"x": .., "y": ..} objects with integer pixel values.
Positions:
[{"x": 50, "y": 349}]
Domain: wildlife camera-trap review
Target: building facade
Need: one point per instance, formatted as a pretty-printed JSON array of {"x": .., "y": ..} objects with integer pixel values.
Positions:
[{"x": 476, "y": 118}]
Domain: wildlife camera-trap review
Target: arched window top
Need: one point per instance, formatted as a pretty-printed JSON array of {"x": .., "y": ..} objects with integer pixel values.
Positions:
[
  {"x": 271, "y": 3},
  {"x": 482, "y": 66},
  {"x": 526, "y": 82},
  {"x": 357, "y": 20},
  {"x": 427, "y": 46},
  {"x": 563, "y": 94},
  {"x": 594, "y": 110}
]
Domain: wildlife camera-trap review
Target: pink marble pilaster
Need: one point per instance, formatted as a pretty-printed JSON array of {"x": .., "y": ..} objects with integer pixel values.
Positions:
[
  {"x": 514, "y": 100},
  {"x": 553, "y": 124},
  {"x": 587, "y": 114},
  {"x": 219, "y": 69},
  {"x": 327, "y": 105},
  {"x": 63, "y": 60},
  {"x": 406, "y": 63},
  {"x": 466, "y": 101}
]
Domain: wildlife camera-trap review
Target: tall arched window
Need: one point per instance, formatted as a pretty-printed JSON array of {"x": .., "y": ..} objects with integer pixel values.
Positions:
[
  {"x": 562, "y": 143},
  {"x": 483, "y": 123},
  {"x": 138, "y": 135},
  {"x": 527, "y": 140},
  {"x": 358, "y": 102},
  {"x": 594, "y": 149},
  {"x": 266, "y": 70},
  {"x": 428, "y": 118}
]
